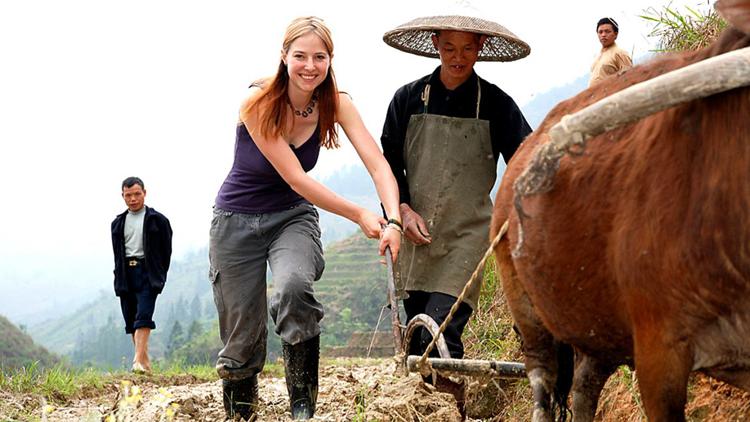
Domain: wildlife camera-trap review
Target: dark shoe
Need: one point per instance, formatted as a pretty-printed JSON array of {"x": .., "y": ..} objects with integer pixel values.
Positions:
[
  {"x": 301, "y": 370},
  {"x": 240, "y": 398},
  {"x": 456, "y": 389}
]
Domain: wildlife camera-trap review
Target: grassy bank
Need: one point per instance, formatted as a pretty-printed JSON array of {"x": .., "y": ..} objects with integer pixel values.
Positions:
[{"x": 26, "y": 391}]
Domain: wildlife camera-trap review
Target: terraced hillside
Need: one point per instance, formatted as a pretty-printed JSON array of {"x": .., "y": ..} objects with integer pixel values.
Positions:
[{"x": 352, "y": 289}]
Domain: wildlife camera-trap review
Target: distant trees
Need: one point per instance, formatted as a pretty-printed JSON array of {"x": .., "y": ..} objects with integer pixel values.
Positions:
[
  {"x": 181, "y": 342},
  {"x": 195, "y": 330},
  {"x": 176, "y": 339},
  {"x": 105, "y": 346},
  {"x": 200, "y": 346}
]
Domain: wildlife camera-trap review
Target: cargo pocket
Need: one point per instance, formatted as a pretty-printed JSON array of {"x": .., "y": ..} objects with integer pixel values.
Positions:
[
  {"x": 213, "y": 275},
  {"x": 320, "y": 262}
]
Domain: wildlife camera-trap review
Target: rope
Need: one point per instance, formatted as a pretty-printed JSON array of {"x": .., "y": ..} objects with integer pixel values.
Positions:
[
  {"x": 472, "y": 279},
  {"x": 375, "y": 333}
]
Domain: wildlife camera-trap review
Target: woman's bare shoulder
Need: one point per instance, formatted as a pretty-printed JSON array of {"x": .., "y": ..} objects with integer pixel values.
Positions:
[
  {"x": 249, "y": 101},
  {"x": 345, "y": 96},
  {"x": 345, "y": 101},
  {"x": 252, "y": 95}
]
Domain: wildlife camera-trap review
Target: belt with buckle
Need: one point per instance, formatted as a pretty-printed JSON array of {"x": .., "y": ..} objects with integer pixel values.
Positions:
[{"x": 134, "y": 262}]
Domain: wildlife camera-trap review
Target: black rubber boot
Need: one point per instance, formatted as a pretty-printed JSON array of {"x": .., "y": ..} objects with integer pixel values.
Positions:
[
  {"x": 301, "y": 368},
  {"x": 240, "y": 398},
  {"x": 446, "y": 385},
  {"x": 457, "y": 389}
]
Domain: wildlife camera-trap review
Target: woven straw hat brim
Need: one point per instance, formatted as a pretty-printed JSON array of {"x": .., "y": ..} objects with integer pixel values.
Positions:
[{"x": 416, "y": 37}]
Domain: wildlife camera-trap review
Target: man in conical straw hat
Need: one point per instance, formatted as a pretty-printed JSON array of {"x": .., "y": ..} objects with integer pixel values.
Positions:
[{"x": 442, "y": 136}]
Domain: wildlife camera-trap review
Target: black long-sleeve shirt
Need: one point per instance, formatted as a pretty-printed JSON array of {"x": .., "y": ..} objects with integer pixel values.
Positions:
[{"x": 508, "y": 126}]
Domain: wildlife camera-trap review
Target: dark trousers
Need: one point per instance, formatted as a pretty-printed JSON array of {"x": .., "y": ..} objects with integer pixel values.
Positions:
[
  {"x": 437, "y": 306},
  {"x": 139, "y": 301}
]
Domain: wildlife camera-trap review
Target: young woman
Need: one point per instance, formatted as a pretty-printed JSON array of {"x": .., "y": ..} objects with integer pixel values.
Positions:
[{"x": 264, "y": 214}]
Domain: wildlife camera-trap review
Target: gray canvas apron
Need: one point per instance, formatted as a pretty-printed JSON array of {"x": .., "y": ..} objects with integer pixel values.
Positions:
[{"x": 450, "y": 170}]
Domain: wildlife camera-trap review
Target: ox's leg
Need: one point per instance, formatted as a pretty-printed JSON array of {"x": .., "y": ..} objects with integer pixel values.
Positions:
[
  {"x": 539, "y": 347},
  {"x": 663, "y": 365},
  {"x": 589, "y": 378}
]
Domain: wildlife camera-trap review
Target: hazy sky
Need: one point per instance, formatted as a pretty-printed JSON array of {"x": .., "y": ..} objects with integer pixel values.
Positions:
[{"x": 94, "y": 91}]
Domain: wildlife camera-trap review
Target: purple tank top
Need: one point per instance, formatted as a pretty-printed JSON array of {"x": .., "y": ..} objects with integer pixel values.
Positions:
[{"x": 253, "y": 185}]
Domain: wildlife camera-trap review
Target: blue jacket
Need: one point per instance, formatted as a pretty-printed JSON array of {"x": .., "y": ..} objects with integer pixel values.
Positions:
[{"x": 157, "y": 247}]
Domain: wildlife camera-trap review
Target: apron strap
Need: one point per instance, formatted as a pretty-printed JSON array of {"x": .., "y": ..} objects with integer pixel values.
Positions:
[
  {"x": 426, "y": 97},
  {"x": 479, "y": 96}
]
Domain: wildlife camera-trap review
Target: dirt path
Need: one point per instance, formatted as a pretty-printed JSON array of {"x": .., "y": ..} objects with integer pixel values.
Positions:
[{"x": 369, "y": 390}]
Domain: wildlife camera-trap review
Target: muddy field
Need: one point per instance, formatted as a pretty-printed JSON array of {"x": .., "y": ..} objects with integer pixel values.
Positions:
[
  {"x": 369, "y": 391},
  {"x": 359, "y": 390}
]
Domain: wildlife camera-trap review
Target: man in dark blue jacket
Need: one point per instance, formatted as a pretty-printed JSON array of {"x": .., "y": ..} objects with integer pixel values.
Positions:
[{"x": 142, "y": 245}]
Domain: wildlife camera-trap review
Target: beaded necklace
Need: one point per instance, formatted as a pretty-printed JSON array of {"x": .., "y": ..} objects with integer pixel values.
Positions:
[{"x": 308, "y": 110}]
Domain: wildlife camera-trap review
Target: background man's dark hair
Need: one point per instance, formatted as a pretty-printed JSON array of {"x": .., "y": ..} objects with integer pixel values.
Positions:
[
  {"x": 130, "y": 181},
  {"x": 610, "y": 21}
]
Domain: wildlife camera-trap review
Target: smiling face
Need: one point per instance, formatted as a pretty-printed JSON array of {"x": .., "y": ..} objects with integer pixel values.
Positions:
[
  {"x": 458, "y": 53},
  {"x": 607, "y": 35},
  {"x": 307, "y": 61}
]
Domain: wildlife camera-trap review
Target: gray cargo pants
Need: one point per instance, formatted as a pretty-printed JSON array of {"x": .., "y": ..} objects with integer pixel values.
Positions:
[{"x": 239, "y": 247}]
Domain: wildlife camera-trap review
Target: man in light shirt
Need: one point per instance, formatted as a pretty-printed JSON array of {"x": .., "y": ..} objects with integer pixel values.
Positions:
[
  {"x": 142, "y": 245},
  {"x": 612, "y": 58}
]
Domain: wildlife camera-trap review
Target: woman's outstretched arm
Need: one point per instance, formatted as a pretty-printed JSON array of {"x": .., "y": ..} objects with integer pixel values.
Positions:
[
  {"x": 282, "y": 158},
  {"x": 377, "y": 166}
]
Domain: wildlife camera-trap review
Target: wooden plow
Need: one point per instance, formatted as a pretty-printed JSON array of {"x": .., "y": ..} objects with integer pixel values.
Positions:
[{"x": 445, "y": 364}]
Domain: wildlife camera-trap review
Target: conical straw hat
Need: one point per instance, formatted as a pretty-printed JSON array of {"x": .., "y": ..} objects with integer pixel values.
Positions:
[{"x": 416, "y": 37}]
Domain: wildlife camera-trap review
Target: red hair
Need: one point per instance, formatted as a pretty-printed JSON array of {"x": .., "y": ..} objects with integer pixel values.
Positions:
[{"x": 272, "y": 104}]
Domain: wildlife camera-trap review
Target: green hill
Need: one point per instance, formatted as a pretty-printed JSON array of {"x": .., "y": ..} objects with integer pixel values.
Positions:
[{"x": 17, "y": 349}]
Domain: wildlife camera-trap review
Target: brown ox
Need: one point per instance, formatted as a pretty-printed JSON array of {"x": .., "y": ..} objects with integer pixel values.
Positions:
[{"x": 640, "y": 253}]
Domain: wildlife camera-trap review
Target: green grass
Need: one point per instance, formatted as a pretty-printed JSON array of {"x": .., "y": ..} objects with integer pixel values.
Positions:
[
  {"x": 55, "y": 383},
  {"x": 176, "y": 368},
  {"x": 28, "y": 388},
  {"x": 61, "y": 384},
  {"x": 360, "y": 406},
  {"x": 489, "y": 334},
  {"x": 684, "y": 31},
  {"x": 273, "y": 370}
]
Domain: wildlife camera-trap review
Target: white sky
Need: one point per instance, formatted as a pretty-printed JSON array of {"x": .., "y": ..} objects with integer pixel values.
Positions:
[{"x": 94, "y": 91}]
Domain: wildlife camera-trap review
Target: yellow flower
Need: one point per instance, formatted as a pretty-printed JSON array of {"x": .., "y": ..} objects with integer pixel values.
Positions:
[
  {"x": 164, "y": 394},
  {"x": 171, "y": 411},
  {"x": 133, "y": 399}
]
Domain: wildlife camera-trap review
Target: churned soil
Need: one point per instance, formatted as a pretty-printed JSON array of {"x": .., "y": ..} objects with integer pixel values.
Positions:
[
  {"x": 355, "y": 390},
  {"x": 371, "y": 390}
]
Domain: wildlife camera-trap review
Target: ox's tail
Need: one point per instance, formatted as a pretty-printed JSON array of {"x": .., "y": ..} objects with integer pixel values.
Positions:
[{"x": 564, "y": 382}]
